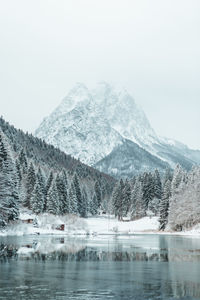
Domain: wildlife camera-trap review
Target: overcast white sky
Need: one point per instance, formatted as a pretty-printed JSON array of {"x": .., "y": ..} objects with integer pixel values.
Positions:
[{"x": 151, "y": 47}]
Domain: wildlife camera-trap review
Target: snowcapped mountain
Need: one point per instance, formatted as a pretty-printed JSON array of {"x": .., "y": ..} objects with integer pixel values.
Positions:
[
  {"x": 79, "y": 127},
  {"x": 100, "y": 126}
]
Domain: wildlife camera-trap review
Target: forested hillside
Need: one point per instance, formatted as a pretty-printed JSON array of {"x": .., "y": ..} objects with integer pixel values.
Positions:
[
  {"x": 175, "y": 198},
  {"x": 42, "y": 178}
]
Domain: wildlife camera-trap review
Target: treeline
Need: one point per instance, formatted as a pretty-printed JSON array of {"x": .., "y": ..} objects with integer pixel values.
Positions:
[
  {"x": 139, "y": 196},
  {"x": 58, "y": 193},
  {"x": 42, "y": 178},
  {"x": 175, "y": 198}
]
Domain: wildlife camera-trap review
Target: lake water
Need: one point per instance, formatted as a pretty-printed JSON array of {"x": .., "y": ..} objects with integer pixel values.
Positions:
[{"x": 135, "y": 267}]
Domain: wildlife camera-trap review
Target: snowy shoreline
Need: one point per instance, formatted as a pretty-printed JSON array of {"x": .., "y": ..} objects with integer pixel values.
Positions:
[{"x": 99, "y": 226}]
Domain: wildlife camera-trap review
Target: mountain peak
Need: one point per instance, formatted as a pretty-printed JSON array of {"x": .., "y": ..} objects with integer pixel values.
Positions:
[
  {"x": 101, "y": 91},
  {"x": 89, "y": 125},
  {"x": 79, "y": 86},
  {"x": 79, "y": 92}
]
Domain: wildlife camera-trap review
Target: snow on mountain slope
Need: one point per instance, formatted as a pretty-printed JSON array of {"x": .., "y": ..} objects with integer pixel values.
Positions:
[
  {"x": 122, "y": 113},
  {"x": 128, "y": 160},
  {"x": 91, "y": 124},
  {"x": 78, "y": 127}
]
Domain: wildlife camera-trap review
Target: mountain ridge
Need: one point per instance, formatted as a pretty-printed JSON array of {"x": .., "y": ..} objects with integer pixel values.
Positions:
[{"x": 91, "y": 124}]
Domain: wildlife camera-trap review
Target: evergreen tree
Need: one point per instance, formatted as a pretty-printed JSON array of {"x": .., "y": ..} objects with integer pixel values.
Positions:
[
  {"x": 23, "y": 161},
  {"x": 117, "y": 199},
  {"x": 30, "y": 184},
  {"x": 157, "y": 185},
  {"x": 38, "y": 194},
  {"x": 184, "y": 203},
  {"x": 103, "y": 191},
  {"x": 85, "y": 202},
  {"x": 48, "y": 185},
  {"x": 65, "y": 179},
  {"x": 167, "y": 176},
  {"x": 138, "y": 206},
  {"x": 94, "y": 205},
  {"x": 156, "y": 190},
  {"x": 61, "y": 183},
  {"x": 42, "y": 180},
  {"x": 3, "y": 151},
  {"x": 164, "y": 205},
  {"x": 73, "y": 205},
  {"x": 80, "y": 204},
  {"x": 148, "y": 189},
  {"x": 19, "y": 174},
  {"x": 37, "y": 198},
  {"x": 9, "y": 199},
  {"x": 177, "y": 178},
  {"x": 98, "y": 193},
  {"x": 53, "y": 205},
  {"x": 126, "y": 198}
]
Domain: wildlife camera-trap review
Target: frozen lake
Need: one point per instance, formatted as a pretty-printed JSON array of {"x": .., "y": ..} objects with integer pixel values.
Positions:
[{"x": 135, "y": 267}]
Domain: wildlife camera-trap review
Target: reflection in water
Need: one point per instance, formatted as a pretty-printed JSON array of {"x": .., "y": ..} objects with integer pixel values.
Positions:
[{"x": 141, "y": 267}]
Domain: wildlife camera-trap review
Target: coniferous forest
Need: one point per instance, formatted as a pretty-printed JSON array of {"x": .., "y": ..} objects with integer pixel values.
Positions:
[
  {"x": 174, "y": 198},
  {"x": 43, "y": 179}
]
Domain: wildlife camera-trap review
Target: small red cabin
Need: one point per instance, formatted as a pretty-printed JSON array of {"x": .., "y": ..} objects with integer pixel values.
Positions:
[
  {"x": 60, "y": 227},
  {"x": 28, "y": 221}
]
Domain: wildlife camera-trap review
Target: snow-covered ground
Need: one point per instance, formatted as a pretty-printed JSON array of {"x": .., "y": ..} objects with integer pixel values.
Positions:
[
  {"x": 110, "y": 225},
  {"x": 45, "y": 224},
  {"x": 92, "y": 226}
]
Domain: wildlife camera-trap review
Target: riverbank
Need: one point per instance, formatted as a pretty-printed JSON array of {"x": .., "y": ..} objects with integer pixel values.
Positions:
[{"x": 46, "y": 224}]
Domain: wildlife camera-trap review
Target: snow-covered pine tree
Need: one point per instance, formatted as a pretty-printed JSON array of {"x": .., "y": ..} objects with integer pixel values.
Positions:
[
  {"x": 157, "y": 193},
  {"x": 9, "y": 200},
  {"x": 3, "y": 150},
  {"x": 19, "y": 174},
  {"x": 85, "y": 202},
  {"x": 148, "y": 189},
  {"x": 177, "y": 178},
  {"x": 138, "y": 206},
  {"x": 103, "y": 192},
  {"x": 175, "y": 202},
  {"x": 97, "y": 189},
  {"x": 93, "y": 205},
  {"x": 37, "y": 199},
  {"x": 38, "y": 194},
  {"x": 48, "y": 185},
  {"x": 73, "y": 206},
  {"x": 184, "y": 205},
  {"x": 61, "y": 183},
  {"x": 117, "y": 200},
  {"x": 66, "y": 204},
  {"x": 126, "y": 198},
  {"x": 23, "y": 162},
  {"x": 80, "y": 204},
  {"x": 164, "y": 205},
  {"x": 42, "y": 180},
  {"x": 30, "y": 184},
  {"x": 65, "y": 178},
  {"x": 53, "y": 205},
  {"x": 18, "y": 180},
  {"x": 157, "y": 185},
  {"x": 168, "y": 176}
]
